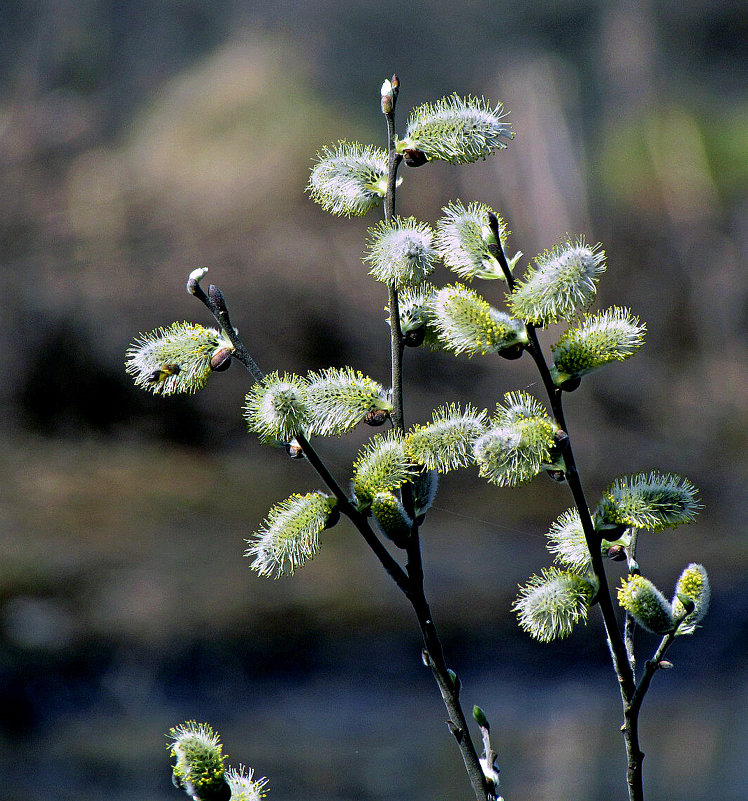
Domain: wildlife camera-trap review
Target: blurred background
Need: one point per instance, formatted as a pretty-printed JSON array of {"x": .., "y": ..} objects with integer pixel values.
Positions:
[{"x": 139, "y": 140}]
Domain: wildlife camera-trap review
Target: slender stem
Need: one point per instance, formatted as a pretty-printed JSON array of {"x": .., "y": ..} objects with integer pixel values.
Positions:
[
  {"x": 631, "y": 711},
  {"x": 396, "y": 336},
  {"x": 622, "y": 664},
  {"x": 216, "y": 304},
  {"x": 345, "y": 506},
  {"x": 629, "y": 624},
  {"x": 449, "y": 689},
  {"x": 651, "y": 666},
  {"x": 433, "y": 650},
  {"x": 633, "y": 708}
]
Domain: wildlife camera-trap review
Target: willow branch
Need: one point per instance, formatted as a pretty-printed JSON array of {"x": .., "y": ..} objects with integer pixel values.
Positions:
[
  {"x": 651, "y": 666},
  {"x": 216, "y": 304},
  {"x": 618, "y": 652},
  {"x": 433, "y": 650},
  {"x": 396, "y": 336},
  {"x": 629, "y": 624},
  {"x": 631, "y": 710}
]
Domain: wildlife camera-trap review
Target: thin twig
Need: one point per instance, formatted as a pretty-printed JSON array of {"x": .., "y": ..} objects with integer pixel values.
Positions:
[
  {"x": 629, "y": 624},
  {"x": 216, "y": 304},
  {"x": 396, "y": 336},
  {"x": 622, "y": 665},
  {"x": 433, "y": 650}
]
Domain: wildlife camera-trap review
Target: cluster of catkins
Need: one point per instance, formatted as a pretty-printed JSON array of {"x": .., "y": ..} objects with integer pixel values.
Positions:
[{"x": 510, "y": 446}]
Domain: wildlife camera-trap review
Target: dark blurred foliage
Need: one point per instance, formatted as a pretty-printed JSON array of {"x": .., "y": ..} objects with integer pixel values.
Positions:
[{"x": 141, "y": 139}]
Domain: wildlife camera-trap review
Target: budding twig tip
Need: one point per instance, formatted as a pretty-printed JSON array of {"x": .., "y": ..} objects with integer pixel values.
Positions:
[{"x": 193, "y": 281}]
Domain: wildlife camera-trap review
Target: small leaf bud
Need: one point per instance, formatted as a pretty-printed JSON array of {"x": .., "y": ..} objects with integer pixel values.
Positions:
[
  {"x": 415, "y": 336},
  {"x": 221, "y": 360},
  {"x": 215, "y": 294},
  {"x": 194, "y": 278},
  {"x": 557, "y": 475},
  {"x": 388, "y": 99},
  {"x": 294, "y": 449},
  {"x": 616, "y": 553},
  {"x": 479, "y": 716},
  {"x": 414, "y": 157},
  {"x": 376, "y": 417},
  {"x": 665, "y": 664}
]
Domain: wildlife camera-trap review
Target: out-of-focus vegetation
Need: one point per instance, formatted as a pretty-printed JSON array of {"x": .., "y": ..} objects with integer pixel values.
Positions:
[{"x": 140, "y": 140}]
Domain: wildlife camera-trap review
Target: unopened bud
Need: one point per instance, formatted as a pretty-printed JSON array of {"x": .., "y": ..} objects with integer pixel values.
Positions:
[
  {"x": 221, "y": 360},
  {"x": 665, "y": 664},
  {"x": 480, "y": 717},
  {"x": 414, "y": 158},
  {"x": 388, "y": 100},
  {"x": 616, "y": 552},
  {"x": 376, "y": 417},
  {"x": 392, "y": 518},
  {"x": 646, "y": 604},
  {"x": 414, "y": 338},
  {"x": 294, "y": 450},
  {"x": 194, "y": 278}
]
